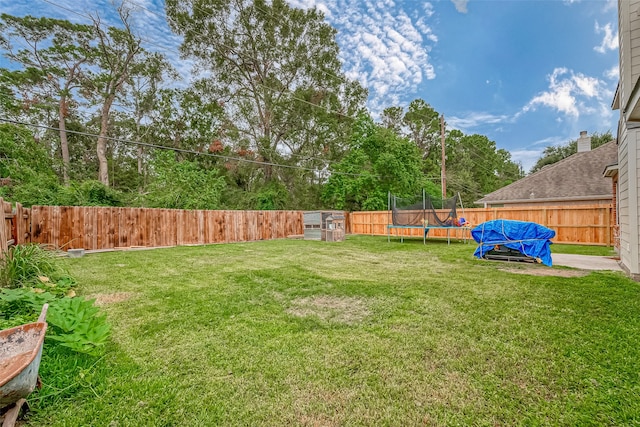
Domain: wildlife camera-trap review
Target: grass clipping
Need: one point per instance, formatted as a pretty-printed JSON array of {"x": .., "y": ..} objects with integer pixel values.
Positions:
[{"x": 331, "y": 308}]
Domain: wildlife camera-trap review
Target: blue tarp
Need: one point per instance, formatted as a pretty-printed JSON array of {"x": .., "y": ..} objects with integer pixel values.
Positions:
[{"x": 529, "y": 238}]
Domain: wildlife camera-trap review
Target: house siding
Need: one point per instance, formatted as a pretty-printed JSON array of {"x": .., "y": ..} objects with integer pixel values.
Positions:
[
  {"x": 633, "y": 33},
  {"x": 628, "y": 139},
  {"x": 623, "y": 181},
  {"x": 629, "y": 181}
]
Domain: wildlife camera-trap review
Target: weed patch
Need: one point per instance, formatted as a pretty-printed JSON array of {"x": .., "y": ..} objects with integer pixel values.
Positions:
[{"x": 336, "y": 309}]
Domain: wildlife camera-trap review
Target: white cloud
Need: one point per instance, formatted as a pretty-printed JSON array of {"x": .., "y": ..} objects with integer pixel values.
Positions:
[
  {"x": 609, "y": 40},
  {"x": 529, "y": 156},
  {"x": 382, "y": 45},
  {"x": 428, "y": 9},
  {"x": 613, "y": 73},
  {"x": 526, "y": 157},
  {"x": 461, "y": 5},
  {"x": 588, "y": 85},
  {"x": 571, "y": 93},
  {"x": 475, "y": 119},
  {"x": 610, "y": 5}
]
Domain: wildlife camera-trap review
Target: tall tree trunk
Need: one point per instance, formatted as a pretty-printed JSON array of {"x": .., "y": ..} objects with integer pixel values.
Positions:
[
  {"x": 64, "y": 145},
  {"x": 140, "y": 151},
  {"x": 103, "y": 174}
]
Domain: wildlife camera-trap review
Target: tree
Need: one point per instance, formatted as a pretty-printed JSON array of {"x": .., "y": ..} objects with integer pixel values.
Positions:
[
  {"x": 189, "y": 119},
  {"x": 421, "y": 124},
  {"x": 277, "y": 71},
  {"x": 55, "y": 55},
  {"x": 377, "y": 162},
  {"x": 392, "y": 118},
  {"x": 475, "y": 166},
  {"x": 118, "y": 50},
  {"x": 142, "y": 94},
  {"x": 555, "y": 153}
]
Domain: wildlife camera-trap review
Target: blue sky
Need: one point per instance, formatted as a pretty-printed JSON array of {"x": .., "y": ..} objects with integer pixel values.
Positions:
[{"x": 528, "y": 74}]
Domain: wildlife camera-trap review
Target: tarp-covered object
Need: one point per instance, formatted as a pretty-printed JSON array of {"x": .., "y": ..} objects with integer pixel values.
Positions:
[{"x": 529, "y": 238}]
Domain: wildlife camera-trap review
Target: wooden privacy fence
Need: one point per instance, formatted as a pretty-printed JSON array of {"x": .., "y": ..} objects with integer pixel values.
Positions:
[
  {"x": 93, "y": 228},
  {"x": 583, "y": 224}
]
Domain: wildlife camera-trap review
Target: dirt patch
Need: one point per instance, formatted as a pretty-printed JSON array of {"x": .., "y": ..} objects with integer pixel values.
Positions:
[
  {"x": 532, "y": 271},
  {"x": 106, "y": 299},
  {"x": 336, "y": 309}
]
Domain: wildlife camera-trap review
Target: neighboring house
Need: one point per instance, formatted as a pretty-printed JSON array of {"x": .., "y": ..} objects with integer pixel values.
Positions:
[
  {"x": 575, "y": 180},
  {"x": 627, "y": 100}
]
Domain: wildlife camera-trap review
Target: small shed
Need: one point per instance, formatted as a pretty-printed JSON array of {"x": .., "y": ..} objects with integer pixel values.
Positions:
[{"x": 327, "y": 226}]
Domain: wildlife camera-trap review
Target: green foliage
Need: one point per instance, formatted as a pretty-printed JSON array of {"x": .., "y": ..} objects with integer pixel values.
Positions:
[
  {"x": 21, "y": 305},
  {"x": 555, "y": 153},
  {"x": 476, "y": 167},
  {"x": 183, "y": 184},
  {"x": 78, "y": 325},
  {"x": 271, "y": 197},
  {"x": 28, "y": 165},
  {"x": 55, "y": 56},
  {"x": 29, "y": 265},
  {"x": 74, "y": 322},
  {"x": 31, "y": 276},
  {"x": 89, "y": 193},
  {"x": 378, "y": 161}
]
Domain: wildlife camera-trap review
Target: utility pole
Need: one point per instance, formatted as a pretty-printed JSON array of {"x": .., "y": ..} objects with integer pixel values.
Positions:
[{"x": 443, "y": 170}]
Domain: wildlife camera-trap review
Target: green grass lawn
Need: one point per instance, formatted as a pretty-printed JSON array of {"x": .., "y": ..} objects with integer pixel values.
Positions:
[
  {"x": 583, "y": 250},
  {"x": 362, "y": 332}
]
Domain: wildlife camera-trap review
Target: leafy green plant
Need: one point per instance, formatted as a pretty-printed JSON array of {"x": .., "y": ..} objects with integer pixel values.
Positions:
[
  {"x": 25, "y": 265},
  {"x": 90, "y": 193},
  {"x": 184, "y": 184},
  {"x": 21, "y": 305},
  {"x": 78, "y": 325},
  {"x": 75, "y": 322}
]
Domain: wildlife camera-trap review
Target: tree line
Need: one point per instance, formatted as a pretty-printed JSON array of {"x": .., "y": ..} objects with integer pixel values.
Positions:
[{"x": 89, "y": 115}]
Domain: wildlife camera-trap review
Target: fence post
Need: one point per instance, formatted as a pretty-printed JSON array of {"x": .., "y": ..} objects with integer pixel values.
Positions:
[
  {"x": 608, "y": 214},
  {"x": 4, "y": 236},
  {"x": 22, "y": 225}
]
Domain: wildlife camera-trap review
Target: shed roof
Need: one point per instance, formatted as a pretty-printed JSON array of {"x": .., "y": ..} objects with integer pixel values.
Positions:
[{"x": 576, "y": 177}]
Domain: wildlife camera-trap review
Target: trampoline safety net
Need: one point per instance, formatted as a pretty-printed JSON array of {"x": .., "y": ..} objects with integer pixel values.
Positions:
[{"x": 423, "y": 210}]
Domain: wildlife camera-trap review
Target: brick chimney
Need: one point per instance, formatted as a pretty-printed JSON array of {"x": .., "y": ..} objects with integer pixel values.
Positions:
[{"x": 584, "y": 142}]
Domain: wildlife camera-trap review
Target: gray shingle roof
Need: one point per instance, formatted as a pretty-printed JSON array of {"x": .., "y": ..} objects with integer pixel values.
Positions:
[{"x": 579, "y": 175}]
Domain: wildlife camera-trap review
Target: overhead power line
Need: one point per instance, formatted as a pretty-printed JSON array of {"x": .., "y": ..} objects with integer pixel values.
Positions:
[{"x": 180, "y": 150}]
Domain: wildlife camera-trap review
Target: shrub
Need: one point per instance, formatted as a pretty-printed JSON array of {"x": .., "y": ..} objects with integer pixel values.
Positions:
[
  {"x": 29, "y": 265},
  {"x": 89, "y": 193}
]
